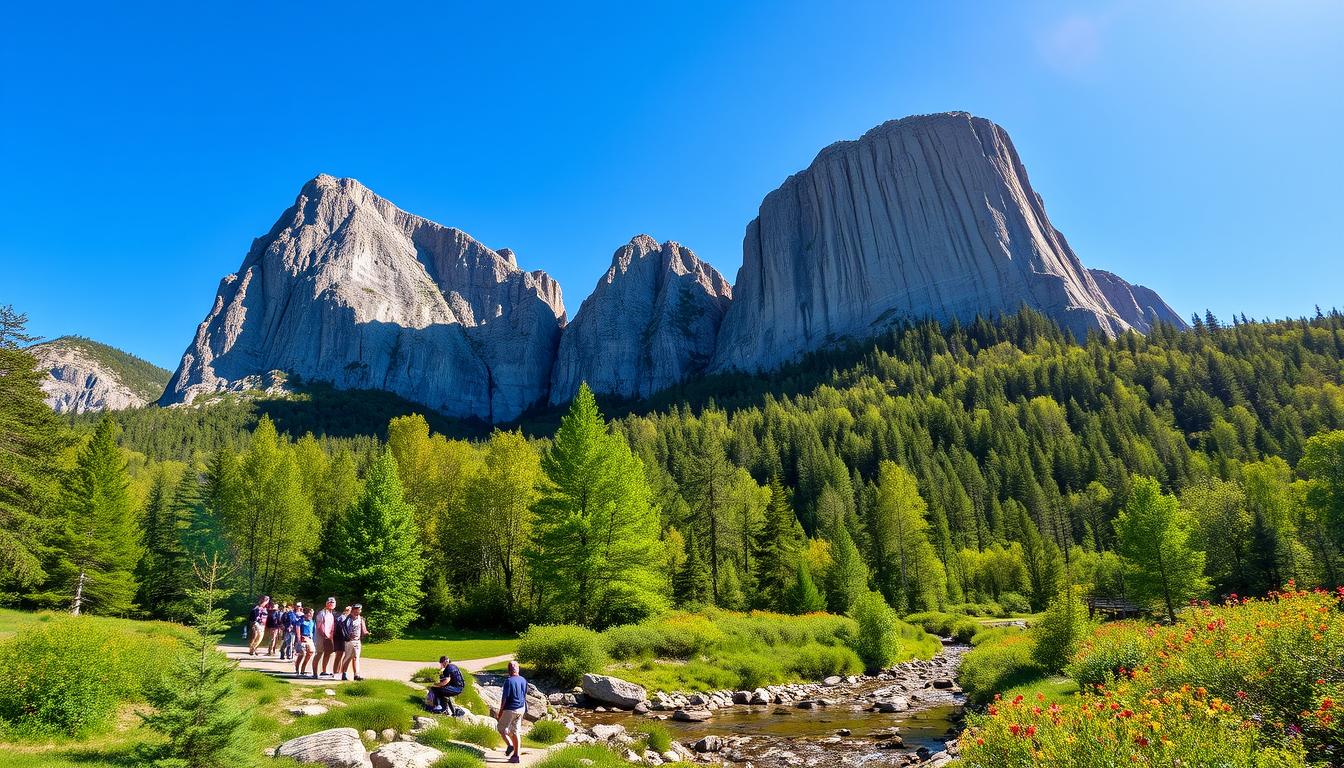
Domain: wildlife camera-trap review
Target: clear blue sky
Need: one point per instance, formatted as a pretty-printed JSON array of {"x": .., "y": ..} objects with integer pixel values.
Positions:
[{"x": 1196, "y": 147}]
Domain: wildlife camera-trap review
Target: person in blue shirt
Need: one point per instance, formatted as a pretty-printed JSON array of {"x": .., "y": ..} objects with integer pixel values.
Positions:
[
  {"x": 304, "y": 650},
  {"x": 512, "y": 707}
]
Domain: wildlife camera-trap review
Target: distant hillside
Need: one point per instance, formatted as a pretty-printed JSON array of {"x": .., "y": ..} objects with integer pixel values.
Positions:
[{"x": 85, "y": 375}]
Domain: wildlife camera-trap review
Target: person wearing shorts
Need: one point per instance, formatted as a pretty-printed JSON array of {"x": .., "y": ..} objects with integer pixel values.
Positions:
[
  {"x": 256, "y": 624},
  {"x": 356, "y": 629},
  {"x": 326, "y": 625},
  {"x": 338, "y": 643},
  {"x": 512, "y": 707},
  {"x": 304, "y": 650}
]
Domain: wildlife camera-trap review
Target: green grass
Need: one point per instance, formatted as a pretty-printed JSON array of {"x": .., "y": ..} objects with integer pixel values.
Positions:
[
  {"x": 574, "y": 757},
  {"x": 428, "y": 645},
  {"x": 545, "y": 733},
  {"x": 1056, "y": 689}
]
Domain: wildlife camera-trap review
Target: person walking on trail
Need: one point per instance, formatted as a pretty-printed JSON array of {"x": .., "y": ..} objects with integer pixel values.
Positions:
[
  {"x": 338, "y": 643},
  {"x": 304, "y": 631},
  {"x": 290, "y": 626},
  {"x": 256, "y": 624},
  {"x": 356, "y": 629},
  {"x": 273, "y": 627},
  {"x": 512, "y": 707},
  {"x": 326, "y": 641},
  {"x": 450, "y": 684}
]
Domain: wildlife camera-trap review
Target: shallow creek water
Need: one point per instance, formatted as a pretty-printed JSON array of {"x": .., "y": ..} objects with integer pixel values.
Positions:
[{"x": 782, "y": 734}]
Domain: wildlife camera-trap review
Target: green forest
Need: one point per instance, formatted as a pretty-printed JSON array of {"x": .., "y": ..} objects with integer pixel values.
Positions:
[{"x": 975, "y": 468}]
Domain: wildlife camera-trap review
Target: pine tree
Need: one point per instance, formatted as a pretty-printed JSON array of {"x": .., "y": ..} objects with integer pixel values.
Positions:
[
  {"x": 848, "y": 577},
  {"x": 708, "y": 474},
  {"x": 196, "y": 708},
  {"x": 777, "y": 548},
  {"x": 900, "y": 536},
  {"x": 691, "y": 584},
  {"x": 164, "y": 571},
  {"x": 100, "y": 541},
  {"x": 595, "y": 550},
  {"x": 376, "y": 559},
  {"x": 802, "y": 596},
  {"x": 731, "y": 594},
  {"x": 1153, "y": 536},
  {"x": 33, "y": 438}
]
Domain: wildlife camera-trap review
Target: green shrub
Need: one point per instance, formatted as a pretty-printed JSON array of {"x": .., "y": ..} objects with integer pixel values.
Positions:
[
  {"x": 67, "y": 675},
  {"x": 1060, "y": 630},
  {"x": 547, "y": 732},
  {"x": 1014, "y": 604},
  {"x": 977, "y": 609},
  {"x": 815, "y": 661},
  {"x": 426, "y": 675},
  {"x": 632, "y": 641},
  {"x": 994, "y": 634},
  {"x": 584, "y": 756},
  {"x": 877, "y": 641},
  {"x": 440, "y": 736},
  {"x": 959, "y": 628},
  {"x": 997, "y": 666},
  {"x": 562, "y": 652},
  {"x": 1105, "y": 654},
  {"x": 371, "y": 715}
]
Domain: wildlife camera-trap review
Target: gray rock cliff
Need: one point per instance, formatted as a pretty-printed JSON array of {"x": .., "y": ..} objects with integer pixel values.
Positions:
[
  {"x": 349, "y": 289},
  {"x": 1139, "y": 306},
  {"x": 928, "y": 216},
  {"x": 85, "y": 376},
  {"x": 651, "y": 322}
]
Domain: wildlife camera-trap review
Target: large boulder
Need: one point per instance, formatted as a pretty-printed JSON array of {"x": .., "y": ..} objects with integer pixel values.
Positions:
[
  {"x": 334, "y": 748},
  {"x": 613, "y": 691},
  {"x": 404, "y": 754},
  {"x": 692, "y": 715}
]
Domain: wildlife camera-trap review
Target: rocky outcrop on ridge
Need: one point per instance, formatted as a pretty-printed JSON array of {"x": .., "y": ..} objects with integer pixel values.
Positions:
[
  {"x": 85, "y": 376},
  {"x": 349, "y": 289},
  {"x": 651, "y": 322},
  {"x": 929, "y": 216},
  {"x": 1139, "y": 306}
]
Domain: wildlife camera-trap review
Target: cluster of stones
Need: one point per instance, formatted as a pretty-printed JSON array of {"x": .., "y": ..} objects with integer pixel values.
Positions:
[{"x": 907, "y": 683}]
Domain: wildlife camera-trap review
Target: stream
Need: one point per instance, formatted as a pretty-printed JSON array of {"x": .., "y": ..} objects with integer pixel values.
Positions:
[{"x": 826, "y": 726}]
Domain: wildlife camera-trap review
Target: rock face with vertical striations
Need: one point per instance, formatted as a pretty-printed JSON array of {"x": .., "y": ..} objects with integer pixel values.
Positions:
[
  {"x": 929, "y": 216},
  {"x": 349, "y": 289},
  {"x": 1139, "y": 306},
  {"x": 651, "y": 322},
  {"x": 85, "y": 376}
]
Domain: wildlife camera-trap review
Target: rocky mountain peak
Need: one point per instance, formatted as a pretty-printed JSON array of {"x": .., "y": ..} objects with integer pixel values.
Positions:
[
  {"x": 651, "y": 322},
  {"x": 350, "y": 289},
  {"x": 87, "y": 376}
]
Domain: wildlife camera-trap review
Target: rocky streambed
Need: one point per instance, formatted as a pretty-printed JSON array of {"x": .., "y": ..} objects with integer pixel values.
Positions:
[{"x": 909, "y": 714}]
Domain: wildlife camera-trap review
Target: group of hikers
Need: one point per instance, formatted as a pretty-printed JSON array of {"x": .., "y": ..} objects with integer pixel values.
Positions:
[
  {"x": 328, "y": 636},
  {"x": 325, "y": 638}
]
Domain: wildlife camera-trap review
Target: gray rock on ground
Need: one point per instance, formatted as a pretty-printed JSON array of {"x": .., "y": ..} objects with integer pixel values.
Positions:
[
  {"x": 404, "y": 754},
  {"x": 334, "y": 748},
  {"x": 613, "y": 691}
]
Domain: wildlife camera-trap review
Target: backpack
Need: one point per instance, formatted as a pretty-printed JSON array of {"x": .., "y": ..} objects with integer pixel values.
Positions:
[{"x": 347, "y": 629}]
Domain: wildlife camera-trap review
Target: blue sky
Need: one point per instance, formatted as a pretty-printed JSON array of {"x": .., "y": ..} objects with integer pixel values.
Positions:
[{"x": 1195, "y": 147}]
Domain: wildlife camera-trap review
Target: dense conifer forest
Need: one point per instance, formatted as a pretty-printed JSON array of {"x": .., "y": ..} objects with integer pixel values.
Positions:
[{"x": 969, "y": 467}]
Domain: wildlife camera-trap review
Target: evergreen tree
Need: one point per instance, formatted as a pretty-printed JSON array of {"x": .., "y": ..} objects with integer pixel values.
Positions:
[
  {"x": 33, "y": 438},
  {"x": 731, "y": 594},
  {"x": 595, "y": 548},
  {"x": 100, "y": 541},
  {"x": 901, "y": 541},
  {"x": 708, "y": 474},
  {"x": 802, "y": 595},
  {"x": 848, "y": 577},
  {"x": 376, "y": 558},
  {"x": 1153, "y": 535},
  {"x": 691, "y": 584},
  {"x": 776, "y": 549},
  {"x": 164, "y": 572},
  {"x": 196, "y": 708}
]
